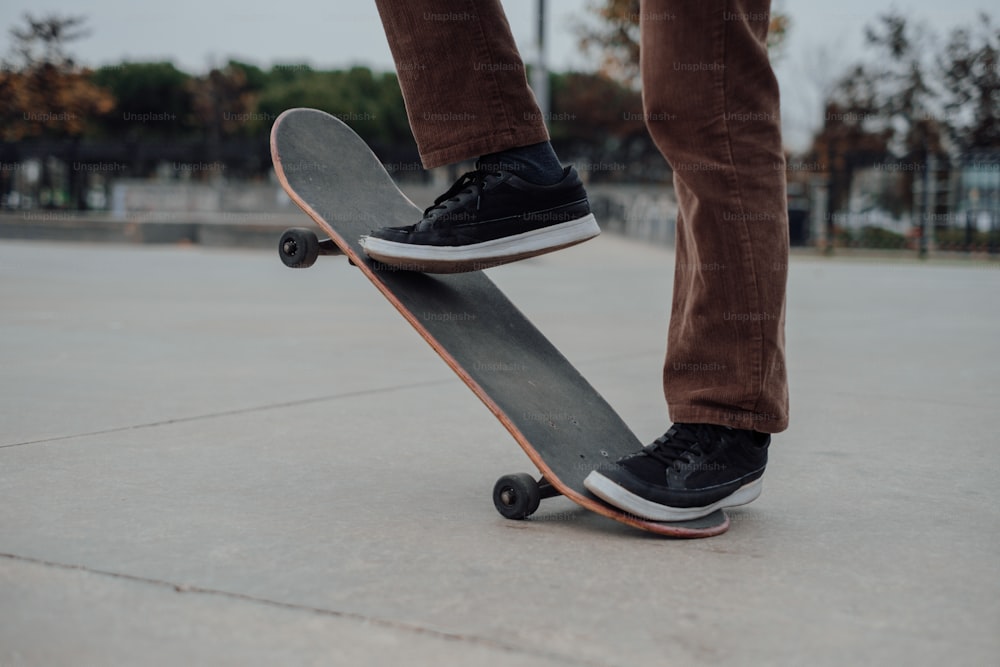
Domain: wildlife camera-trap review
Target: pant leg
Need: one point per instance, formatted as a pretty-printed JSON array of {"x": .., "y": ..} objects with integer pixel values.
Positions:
[
  {"x": 711, "y": 103},
  {"x": 462, "y": 78}
]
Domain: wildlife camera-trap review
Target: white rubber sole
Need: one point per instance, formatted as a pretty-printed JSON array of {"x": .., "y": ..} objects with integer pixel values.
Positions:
[
  {"x": 625, "y": 500},
  {"x": 455, "y": 259}
]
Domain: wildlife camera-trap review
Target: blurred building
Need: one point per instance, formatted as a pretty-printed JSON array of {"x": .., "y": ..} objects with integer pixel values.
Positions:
[{"x": 976, "y": 192}]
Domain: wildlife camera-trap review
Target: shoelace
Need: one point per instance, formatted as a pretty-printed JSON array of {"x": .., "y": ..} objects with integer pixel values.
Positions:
[
  {"x": 469, "y": 182},
  {"x": 680, "y": 445}
]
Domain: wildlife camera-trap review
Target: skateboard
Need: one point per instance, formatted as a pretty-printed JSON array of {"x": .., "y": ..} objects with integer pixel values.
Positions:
[{"x": 560, "y": 421}]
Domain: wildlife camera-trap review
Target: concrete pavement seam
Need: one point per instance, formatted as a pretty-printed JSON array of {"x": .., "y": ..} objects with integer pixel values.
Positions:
[
  {"x": 353, "y": 616},
  {"x": 230, "y": 413}
]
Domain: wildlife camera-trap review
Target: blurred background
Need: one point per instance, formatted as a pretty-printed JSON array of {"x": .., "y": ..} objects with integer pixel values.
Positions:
[{"x": 113, "y": 112}]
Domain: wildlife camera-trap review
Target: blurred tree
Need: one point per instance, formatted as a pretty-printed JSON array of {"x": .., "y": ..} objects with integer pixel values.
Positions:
[
  {"x": 145, "y": 91},
  {"x": 371, "y": 103},
  {"x": 222, "y": 104},
  {"x": 969, "y": 69},
  {"x": 852, "y": 137},
  {"x": 44, "y": 93},
  {"x": 598, "y": 120},
  {"x": 880, "y": 112},
  {"x": 615, "y": 37},
  {"x": 920, "y": 97},
  {"x": 912, "y": 106},
  {"x": 256, "y": 78},
  {"x": 927, "y": 104},
  {"x": 224, "y": 101},
  {"x": 42, "y": 90},
  {"x": 905, "y": 98}
]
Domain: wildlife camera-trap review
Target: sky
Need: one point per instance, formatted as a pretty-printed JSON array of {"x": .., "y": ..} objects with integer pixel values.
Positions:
[{"x": 197, "y": 34}]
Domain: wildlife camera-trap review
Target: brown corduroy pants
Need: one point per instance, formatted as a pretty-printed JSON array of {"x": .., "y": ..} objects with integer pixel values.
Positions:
[{"x": 711, "y": 106}]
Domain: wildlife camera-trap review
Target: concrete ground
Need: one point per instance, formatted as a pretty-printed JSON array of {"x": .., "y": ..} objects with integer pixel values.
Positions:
[{"x": 208, "y": 459}]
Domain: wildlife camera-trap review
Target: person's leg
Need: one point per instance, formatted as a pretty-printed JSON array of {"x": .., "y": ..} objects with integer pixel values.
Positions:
[
  {"x": 467, "y": 96},
  {"x": 711, "y": 104},
  {"x": 462, "y": 78},
  {"x": 711, "y": 100}
]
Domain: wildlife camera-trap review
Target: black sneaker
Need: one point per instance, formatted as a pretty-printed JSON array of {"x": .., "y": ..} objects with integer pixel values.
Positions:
[
  {"x": 488, "y": 218},
  {"x": 688, "y": 472}
]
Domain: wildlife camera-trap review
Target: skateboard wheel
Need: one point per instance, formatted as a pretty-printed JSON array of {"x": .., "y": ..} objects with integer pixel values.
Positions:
[
  {"x": 516, "y": 496},
  {"x": 298, "y": 248}
]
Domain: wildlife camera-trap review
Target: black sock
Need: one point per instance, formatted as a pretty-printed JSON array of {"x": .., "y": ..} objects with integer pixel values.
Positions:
[{"x": 536, "y": 163}]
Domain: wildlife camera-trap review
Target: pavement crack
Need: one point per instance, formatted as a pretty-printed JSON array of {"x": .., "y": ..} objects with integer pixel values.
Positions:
[
  {"x": 414, "y": 628},
  {"x": 234, "y": 412}
]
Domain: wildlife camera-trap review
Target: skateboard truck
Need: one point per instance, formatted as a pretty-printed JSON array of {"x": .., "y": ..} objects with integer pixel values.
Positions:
[
  {"x": 517, "y": 496},
  {"x": 299, "y": 247}
]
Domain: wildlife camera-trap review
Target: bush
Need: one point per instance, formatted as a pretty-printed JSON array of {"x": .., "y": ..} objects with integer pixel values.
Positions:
[
  {"x": 878, "y": 237},
  {"x": 959, "y": 239}
]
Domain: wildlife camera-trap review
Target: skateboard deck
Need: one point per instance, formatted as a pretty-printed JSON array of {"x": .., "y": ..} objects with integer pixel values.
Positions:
[{"x": 560, "y": 421}]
